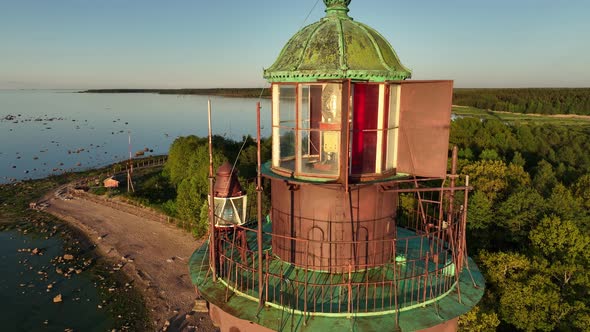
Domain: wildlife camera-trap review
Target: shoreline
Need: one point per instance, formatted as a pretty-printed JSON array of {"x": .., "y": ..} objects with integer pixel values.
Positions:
[
  {"x": 221, "y": 92},
  {"x": 118, "y": 299},
  {"x": 112, "y": 255},
  {"x": 111, "y": 259},
  {"x": 155, "y": 267}
]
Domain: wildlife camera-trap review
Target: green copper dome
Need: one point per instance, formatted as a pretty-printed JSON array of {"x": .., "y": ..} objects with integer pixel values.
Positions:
[{"x": 337, "y": 47}]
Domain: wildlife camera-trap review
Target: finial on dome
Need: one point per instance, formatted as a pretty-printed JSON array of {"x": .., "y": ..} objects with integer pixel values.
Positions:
[{"x": 337, "y": 7}]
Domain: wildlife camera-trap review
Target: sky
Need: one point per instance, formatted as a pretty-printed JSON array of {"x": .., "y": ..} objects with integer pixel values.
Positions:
[{"x": 222, "y": 43}]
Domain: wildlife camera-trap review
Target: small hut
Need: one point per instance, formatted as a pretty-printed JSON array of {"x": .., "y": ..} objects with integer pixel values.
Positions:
[{"x": 111, "y": 183}]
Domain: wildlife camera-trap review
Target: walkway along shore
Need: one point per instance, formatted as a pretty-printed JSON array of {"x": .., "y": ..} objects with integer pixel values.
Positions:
[{"x": 152, "y": 253}]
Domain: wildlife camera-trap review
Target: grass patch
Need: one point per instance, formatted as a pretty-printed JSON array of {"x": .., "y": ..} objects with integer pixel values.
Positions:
[{"x": 520, "y": 118}]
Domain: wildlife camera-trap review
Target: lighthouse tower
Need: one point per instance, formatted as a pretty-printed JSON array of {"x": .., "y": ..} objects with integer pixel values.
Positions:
[{"x": 366, "y": 229}]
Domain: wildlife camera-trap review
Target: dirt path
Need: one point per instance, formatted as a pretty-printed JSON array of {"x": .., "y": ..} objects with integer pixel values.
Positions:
[{"x": 154, "y": 254}]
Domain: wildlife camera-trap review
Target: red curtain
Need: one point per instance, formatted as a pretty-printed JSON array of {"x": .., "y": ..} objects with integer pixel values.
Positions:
[{"x": 364, "y": 117}]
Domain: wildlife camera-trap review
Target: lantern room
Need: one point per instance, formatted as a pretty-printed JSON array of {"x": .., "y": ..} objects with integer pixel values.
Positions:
[
  {"x": 316, "y": 130},
  {"x": 230, "y": 200},
  {"x": 342, "y": 112}
]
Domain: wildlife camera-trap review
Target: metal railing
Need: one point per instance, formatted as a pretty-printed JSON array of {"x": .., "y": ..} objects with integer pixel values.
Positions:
[{"x": 425, "y": 259}]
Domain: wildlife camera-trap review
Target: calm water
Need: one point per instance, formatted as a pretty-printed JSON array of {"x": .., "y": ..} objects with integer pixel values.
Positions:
[
  {"x": 49, "y": 132},
  {"x": 43, "y": 132},
  {"x": 26, "y": 305}
]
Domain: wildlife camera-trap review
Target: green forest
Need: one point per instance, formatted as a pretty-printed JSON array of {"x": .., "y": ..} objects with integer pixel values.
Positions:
[
  {"x": 533, "y": 101},
  {"x": 528, "y": 223},
  {"x": 528, "y": 217}
]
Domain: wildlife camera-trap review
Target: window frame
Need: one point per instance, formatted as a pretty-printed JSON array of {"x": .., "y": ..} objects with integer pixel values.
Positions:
[
  {"x": 299, "y": 129},
  {"x": 383, "y": 167}
]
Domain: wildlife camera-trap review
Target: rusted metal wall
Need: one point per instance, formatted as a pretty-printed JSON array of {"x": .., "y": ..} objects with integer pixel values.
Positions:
[
  {"x": 425, "y": 118},
  {"x": 327, "y": 229}
]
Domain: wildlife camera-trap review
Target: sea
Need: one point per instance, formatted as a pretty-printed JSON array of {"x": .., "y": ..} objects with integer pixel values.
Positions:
[{"x": 45, "y": 132}]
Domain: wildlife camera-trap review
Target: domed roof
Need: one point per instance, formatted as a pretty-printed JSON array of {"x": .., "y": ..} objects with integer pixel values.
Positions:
[{"x": 337, "y": 47}]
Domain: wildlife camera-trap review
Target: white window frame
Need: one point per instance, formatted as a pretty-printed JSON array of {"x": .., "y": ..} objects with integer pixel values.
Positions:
[{"x": 394, "y": 114}]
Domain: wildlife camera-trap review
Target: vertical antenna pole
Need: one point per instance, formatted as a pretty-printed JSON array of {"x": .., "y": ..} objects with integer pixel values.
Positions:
[
  {"x": 212, "y": 252},
  {"x": 464, "y": 225},
  {"x": 259, "y": 208},
  {"x": 453, "y": 182},
  {"x": 129, "y": 166}
]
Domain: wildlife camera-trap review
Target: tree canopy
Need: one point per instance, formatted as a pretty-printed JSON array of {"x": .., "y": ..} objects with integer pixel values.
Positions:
[
  {"x": 187, "y": 169},
  {"x": 539, "y": 101},
  {"x": 528, "y": 223}
]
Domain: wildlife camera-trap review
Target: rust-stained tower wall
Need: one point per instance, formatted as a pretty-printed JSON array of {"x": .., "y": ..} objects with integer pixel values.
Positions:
[{"x": 327, "y": 229}]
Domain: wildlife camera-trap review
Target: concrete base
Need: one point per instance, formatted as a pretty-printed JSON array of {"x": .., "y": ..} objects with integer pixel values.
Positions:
[
  {"x": 229, "y": 323},
  {"x": 448, "y": 326}
]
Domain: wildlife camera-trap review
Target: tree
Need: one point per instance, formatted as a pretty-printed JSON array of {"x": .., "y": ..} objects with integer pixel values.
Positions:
[
  {"x": 501, "y": 267},
  {"x": 533, "y": 304},
  {"x": 544, "y": 179},
  {"x": 559, "y": 239},
  {"x": 517, "y": 177},
  {"x": 562, "y": 256},
  {"x": 480, "y": 214},
  {"x": 519, "y": 213},
  {"x": 189, "y": 200},
  {"x": 488, "y": 176},
  {"x": 465, "y": 153},
  {"x": 582, "y": 190},
  {"x": 489, "y": 154},
  {"x": 563, "y": 203},
  {"x": 518, "y": 160},
  {"x": 179, "y": 156},
  {"x": 201, "y": 227},
  {"x": 527, "y": 298},
  {"x": 477, "y": 320}
]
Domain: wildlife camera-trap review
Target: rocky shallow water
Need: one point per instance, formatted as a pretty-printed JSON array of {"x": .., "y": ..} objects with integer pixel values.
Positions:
[{"x": 52, "y": 280}]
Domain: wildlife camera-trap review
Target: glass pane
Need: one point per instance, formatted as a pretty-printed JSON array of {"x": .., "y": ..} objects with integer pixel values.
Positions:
[
  {"x": 283, "y": 116},
  {"x": 275, "y": 125},
  {"x": 327, "y": 162},
  {"x": 364, "y": 125},
  {"x": 332, "y": 103},
  {"x": 287, "y": 149},
  {"x": 229, "y": 211},
  {"x": 315, "y": 117},
  {"x": 319, "y": 129},
  {"x": 391, "y": 148},
  {"x": 224, "y": 212},
  {"x": 303, "y": 122},
  {"x": 393, "y": 123},
  {"x": 304, "y": 109},
  {"x": 287, "y": 106},
  {"x": 393, "y": 106},
  {"x": 218, "y": 204},
  {"x": 238, "y": 204},
  {"x": 310, "y": 118},
  {"x": 382, "y": 133}
]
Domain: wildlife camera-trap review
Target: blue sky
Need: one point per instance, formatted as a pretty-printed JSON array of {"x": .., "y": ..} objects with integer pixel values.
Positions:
[{"x": 223, "y": 43}]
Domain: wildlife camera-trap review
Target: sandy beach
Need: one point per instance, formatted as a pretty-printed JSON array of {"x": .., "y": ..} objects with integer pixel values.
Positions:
[{"x": 153, "y": 254}]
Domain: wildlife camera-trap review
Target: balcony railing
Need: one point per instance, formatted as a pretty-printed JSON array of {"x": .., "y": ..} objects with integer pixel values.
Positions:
[{"x": 426, "y": 257}]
